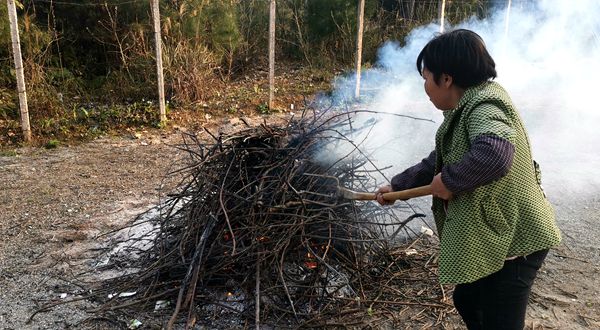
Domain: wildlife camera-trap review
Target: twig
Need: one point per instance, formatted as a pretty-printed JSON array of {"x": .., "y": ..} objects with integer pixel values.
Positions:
[
  {"x": 257, "y": 295},
  {"x": 192, "y": 271}
]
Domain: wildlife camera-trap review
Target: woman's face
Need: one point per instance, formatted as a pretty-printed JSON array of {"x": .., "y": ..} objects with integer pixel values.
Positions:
[{"x": 440, "y": 95}]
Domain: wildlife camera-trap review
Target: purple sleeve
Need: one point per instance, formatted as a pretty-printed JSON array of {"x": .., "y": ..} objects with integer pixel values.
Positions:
[
  {"x": 417, "y": 175},
  {"x": 489, "y": 159}
]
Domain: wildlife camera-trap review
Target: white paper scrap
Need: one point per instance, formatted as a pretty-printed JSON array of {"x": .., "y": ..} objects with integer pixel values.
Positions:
[
  {"x": 121, "y": 295},
  {"x": 426, "y": 231}
]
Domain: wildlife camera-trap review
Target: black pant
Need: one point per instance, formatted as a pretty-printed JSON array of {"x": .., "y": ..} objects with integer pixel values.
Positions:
[{"x": 499, "y": 301}]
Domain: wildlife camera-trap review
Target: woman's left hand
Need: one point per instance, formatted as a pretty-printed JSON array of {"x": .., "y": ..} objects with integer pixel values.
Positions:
[{"x": 438, "y": 188}]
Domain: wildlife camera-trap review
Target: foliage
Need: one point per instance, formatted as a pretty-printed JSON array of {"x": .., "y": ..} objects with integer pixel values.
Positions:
[
  {"x": 8, "y": 153},
  {"x": 52, "y": 144},
  {"x": 263, "y": 108},
  {"x": 8, "y": 104},
  {"x": 88, "y": 51}
]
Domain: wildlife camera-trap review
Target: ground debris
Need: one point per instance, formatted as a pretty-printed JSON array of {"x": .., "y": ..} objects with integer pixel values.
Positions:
[{"x": 256, "y": 234}]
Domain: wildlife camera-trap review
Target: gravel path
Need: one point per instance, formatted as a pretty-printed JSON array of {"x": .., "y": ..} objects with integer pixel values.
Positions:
[{"x": 54, "y": 202}]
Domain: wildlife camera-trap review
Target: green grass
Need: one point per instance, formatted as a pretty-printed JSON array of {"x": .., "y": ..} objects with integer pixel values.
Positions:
[
  {"x": 52, "y": 144},
  {"x": 8, "y": 153}
]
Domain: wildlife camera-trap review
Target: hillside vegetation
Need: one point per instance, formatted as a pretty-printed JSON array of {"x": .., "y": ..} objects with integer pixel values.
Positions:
[{"x": 90, "y": 64}]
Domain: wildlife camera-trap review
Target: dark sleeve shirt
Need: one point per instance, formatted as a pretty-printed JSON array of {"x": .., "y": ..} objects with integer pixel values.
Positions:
[
  {"x": 489, "y": 159},
  {"x": 418, "y": 175}
]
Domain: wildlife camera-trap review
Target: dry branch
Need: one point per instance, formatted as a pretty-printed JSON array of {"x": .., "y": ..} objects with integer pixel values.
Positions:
[{"x": 258, "y": 218}]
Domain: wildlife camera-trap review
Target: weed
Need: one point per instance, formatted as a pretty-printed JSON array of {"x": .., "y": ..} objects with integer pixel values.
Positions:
[
  {"x": 81, "y": 114},
  {"x": 52, "y": 144},
  {"x": 46, "y": 123},
  {"x": 263, "y": 109},
  {"x": 8, "y": 153},
  {"x": 160, "y": 124},
  {"x": 8, "y": 106}
]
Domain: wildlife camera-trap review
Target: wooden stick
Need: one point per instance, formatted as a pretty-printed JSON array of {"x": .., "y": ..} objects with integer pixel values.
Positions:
[
  {"x": 257, "y": 296},
  {"x": 390, "y": 196},
  {"x": 442, "y": 14},
  {"x": 159, "y": 63},
  {"x": 191, "y": 277},
  {"x": 271, "y": 53},
  {"x": 16, "y": 46},
  {"x": 359, "y": 41}
]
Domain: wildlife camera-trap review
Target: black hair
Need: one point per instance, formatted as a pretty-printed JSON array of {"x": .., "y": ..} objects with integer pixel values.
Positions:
[{"x": 461, "y": 54}]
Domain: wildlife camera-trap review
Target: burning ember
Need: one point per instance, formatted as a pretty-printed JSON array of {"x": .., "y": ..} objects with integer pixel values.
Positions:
[{"x": 310, "y": 262}]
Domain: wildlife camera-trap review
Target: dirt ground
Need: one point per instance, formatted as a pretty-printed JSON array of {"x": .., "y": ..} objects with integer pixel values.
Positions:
[{"x": 54, "y": 203}]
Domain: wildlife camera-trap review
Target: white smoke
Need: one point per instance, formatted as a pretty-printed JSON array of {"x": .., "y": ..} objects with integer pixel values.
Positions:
[{"x": 549, "y": 61}]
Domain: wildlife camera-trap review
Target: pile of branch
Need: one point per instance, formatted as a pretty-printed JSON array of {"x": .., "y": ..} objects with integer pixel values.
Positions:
[{"x": 257, "y": 231}]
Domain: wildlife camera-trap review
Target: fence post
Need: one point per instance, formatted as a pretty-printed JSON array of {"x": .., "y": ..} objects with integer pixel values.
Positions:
[
  {"x": 411, "y": 10},
  {"x": 16, "y": 46},
  {"x": 159, "y": 64},
  {"x": 271, "y": 53},
  {"x": 442, "y": 14},
  {"x": 507, "y": 18},
  {"x": 359, "y": 39}
]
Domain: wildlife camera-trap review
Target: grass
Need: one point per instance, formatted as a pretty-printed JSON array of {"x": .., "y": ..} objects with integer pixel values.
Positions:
[
  {"x": 52, "y": 144},
  {"x": 83, "y": 119},
  {"x": 8, "y": 153}
]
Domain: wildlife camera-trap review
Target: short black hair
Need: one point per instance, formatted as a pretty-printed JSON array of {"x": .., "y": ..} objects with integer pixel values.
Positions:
[{"x": 459, "y": 53}]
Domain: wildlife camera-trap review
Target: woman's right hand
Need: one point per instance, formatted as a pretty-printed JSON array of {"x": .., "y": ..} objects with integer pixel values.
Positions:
[{"x": 379, "y": 194}]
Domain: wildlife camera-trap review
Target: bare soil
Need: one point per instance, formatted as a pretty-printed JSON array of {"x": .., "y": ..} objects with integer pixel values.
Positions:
[{"x": 54, "y": 203}]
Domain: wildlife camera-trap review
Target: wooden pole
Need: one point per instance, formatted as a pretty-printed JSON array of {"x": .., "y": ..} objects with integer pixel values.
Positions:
[
  {"x": 507, "y": 18},
  {"x": 16, "y": 46},
  {"x": 257, "y": 295},
  {"x": 271, "y": 53},
  {"x": 442, "y": 14},
  {"x": 359, "y": 39},
  {"x": 159, "y": 63}
]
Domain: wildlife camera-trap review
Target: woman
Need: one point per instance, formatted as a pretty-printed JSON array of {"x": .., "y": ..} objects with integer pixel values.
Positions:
[{"x": 494, "y": 222}]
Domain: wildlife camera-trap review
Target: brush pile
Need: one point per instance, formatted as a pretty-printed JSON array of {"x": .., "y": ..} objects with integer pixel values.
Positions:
[{"x": 256, "y": 234}]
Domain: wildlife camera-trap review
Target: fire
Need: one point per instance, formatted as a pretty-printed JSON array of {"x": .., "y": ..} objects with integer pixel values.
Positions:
[{"x": 310, "y": 264}]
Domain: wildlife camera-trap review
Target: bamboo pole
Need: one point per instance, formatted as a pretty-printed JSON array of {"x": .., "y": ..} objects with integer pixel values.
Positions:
[
  {"x": 16, "y": 46},
  {"x": 411, "y": 10},
  {"x": 442, "y": 14},
  {"x": 359, "y": 39},
  {"x": 506, "y": 20},
  {"x": 271, "y": 53},
  {"x": 159, "y": 63}
]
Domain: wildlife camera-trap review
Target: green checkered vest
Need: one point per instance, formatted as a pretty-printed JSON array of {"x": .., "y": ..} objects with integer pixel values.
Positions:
[{"x": 509, "y": 217}]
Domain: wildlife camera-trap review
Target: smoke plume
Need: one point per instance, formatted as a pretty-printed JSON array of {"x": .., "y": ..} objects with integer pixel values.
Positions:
[{"x": 547, "y": 57}]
